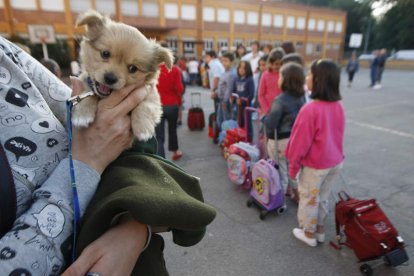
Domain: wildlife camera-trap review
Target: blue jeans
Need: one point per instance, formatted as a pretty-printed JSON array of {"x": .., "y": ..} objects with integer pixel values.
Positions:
[{"x": 373, "y": 75}]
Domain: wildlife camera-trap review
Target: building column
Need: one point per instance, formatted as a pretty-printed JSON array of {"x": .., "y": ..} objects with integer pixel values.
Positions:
[
  {"x": 70, "y": 30},
  {"x": 9, "y": 17},
  {"x": 199, "y": 43}
]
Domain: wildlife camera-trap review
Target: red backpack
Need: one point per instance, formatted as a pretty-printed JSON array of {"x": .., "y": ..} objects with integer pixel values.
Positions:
[{"x": 368, "y": 231}]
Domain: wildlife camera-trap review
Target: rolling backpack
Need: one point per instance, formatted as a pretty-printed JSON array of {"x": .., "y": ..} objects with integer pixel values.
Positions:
[
  {"x": 241, "y": 157},
  {"x": 368, "y": 232}
]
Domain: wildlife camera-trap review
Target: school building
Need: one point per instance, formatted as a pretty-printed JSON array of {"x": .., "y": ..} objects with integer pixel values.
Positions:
[{"x": 191, "y": 26}]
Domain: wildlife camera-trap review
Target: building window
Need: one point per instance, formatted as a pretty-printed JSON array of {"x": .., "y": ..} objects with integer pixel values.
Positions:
[
  {"x": 237, "y": 42},
  {"x": 336, "y": 46},
  {"x": 52, "y": 5},
  {"x": 208, "y": 14},
  {"x": 188, "y": 12},
  {"x": 150, "y": 9},
  {"x": 278, "y": 43},
  {"x": 278, "y": 21},
  {"x": 300, "y": 24},
  {"x": 331, "y": 25},
  {"x": 321, "y": 25},
  {"x": 252, "y": 18},
  {"x": 223, "y": 15},
  {"x": 309, "y": 48},
  {"x": 328, "y": 46},
  {"x": 80, "y": 5},
  {"x": 338, "y": 27},
  {"x": 129, "y": 7},
  {"x": 24, "y": 4},
  {"x": 171, "y": 11},
  {"x": 299, "y": 44},
  {"x": 239, "y": 17},
  {"x": 172, "y": 43},
  {"x": 222, "y": 45},
  {"x": 290, "y": 23},
  {"x": 208, "y": 44},
  {"x": 189, "y": 47},
  {"x": 318, "y": 48},
  {"x": 266, "y": 20},
  {"x": 311, "y": 24},
  {"x": 105, "y": 6}
]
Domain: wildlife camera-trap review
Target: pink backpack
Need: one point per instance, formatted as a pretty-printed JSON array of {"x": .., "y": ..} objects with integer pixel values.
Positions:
[
  {"x": 241, "y": 156},
  {"x": 266, "y": 192}
]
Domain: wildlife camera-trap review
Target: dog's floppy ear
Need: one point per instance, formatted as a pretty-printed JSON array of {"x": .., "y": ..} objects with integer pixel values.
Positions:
[
  {"x": 163, "y": 55},
  {"x": 94, "y": 22}
]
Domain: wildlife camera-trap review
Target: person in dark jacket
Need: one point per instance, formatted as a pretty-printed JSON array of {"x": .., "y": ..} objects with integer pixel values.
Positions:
[{"x": 281, "y": 118}]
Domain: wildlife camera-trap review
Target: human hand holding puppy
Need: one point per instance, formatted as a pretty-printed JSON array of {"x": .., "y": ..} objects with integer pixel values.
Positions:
[{"x": 110, "y": 133}]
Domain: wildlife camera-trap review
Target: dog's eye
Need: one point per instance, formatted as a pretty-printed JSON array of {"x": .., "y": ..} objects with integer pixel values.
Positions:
[
  {"x": 132, "y": 68},
  {"x": 105, "y": 54}
]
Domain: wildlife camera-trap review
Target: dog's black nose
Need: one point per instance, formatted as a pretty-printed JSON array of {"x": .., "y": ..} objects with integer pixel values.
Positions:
[{"x": 110, "y": 78}]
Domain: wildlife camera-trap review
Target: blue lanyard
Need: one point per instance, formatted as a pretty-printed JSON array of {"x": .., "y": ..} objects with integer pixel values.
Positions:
[{"x": 76, "y": 208}]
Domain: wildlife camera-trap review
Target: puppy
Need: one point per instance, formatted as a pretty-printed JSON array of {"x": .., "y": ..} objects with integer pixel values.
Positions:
[{"x": 114, "y": 55}]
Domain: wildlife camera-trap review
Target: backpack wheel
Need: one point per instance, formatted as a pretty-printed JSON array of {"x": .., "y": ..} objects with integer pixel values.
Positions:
[
  {"x": 281, "y": 210},
  {"x": 263, "y": 214},
  {"x": 366, "y": 269},
  {"x": 249, "y": 202}
]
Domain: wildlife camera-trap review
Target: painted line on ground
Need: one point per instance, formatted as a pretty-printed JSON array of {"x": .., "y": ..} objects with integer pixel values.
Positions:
[{"x": 383, "y": 129}]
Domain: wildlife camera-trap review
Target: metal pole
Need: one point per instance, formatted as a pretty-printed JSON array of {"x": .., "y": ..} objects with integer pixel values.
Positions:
[
  {"x": 367, "y": 36},
  {"x": 45, "y": 53}
]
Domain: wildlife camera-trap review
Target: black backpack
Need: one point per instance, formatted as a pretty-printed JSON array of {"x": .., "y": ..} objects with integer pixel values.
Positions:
[{"x": 8, "y": 195}]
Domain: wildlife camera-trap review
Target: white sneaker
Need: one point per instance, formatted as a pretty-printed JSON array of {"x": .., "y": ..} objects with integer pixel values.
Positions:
[
  {"x": 320, "y": 237},
  {"x": 377, "y": 86},
  {"x": 300, "y": 235}
]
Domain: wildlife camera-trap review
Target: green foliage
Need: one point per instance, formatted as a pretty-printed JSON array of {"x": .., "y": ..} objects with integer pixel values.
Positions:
[{"x": 395, "y": 30}]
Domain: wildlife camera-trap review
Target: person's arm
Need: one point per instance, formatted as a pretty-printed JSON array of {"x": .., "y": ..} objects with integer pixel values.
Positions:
[
  {"x": 273, "y": 119},
  {"x": 125, "y": 242},
  {"x": 40, "y": 233},
  {"x": 300, "y": 140},
  {"x": 250, "y": 89},
  {"x": 179, "y": 87},
  {"x": 262, "y": 93}
]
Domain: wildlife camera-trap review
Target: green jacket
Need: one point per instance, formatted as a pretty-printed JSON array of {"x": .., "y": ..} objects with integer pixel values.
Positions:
[{"x": 154, "y": 191}]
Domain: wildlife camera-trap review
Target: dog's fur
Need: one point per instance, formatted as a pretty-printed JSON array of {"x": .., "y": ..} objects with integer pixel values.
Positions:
[{"x": 128, "y": 50}]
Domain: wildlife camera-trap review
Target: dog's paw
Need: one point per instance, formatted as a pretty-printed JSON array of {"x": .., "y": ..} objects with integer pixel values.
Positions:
[{"x": 82, "y": 121}]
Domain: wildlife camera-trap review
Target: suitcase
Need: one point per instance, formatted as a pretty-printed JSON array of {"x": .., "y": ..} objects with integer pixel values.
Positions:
[
  {"x": 239, "y": 162},
  {"x": 267, "y": 191},
  {"x": 195, "y": 119},
  {"x": 368, "y": 232}
]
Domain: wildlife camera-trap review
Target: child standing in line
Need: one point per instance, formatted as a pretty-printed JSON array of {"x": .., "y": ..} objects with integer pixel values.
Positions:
[
  {"x": 224, "y": 89},
  {"x": 261, "y": 69},
  {"x": 281, "y": 118},
  {"x": 268, "y": 87},
  {"x": 316, "y": 147}
]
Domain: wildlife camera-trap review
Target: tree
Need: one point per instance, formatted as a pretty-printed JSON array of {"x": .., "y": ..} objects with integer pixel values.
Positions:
[{"x": 395, "y": 29}]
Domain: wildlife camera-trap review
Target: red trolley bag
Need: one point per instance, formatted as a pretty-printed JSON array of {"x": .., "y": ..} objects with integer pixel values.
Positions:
[
  {"x": 195, "y": 119},
  {"x": 239, "y": 134},
  {"x": 368, "y": 232}
]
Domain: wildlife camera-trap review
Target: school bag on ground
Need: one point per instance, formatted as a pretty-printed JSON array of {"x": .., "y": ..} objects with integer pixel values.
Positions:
[
  {"x": 267, "y": 191},
  {"x": 195, "y": 119},
  {"x": 368, "y": 232},
  {"x": 239, "y": 162},
  {"x": 238, "y": 134}
]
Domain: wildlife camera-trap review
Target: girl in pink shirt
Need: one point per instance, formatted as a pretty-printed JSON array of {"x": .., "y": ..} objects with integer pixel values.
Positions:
[
  {"x": 268, "y": 87},
  {"x": 316, "y": 149}
]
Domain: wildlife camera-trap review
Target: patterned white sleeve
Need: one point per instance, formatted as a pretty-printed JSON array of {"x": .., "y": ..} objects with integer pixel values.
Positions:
[{"x": 35, "y": 143}]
